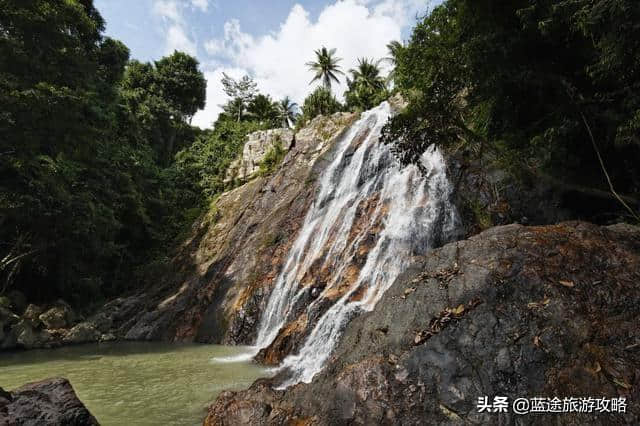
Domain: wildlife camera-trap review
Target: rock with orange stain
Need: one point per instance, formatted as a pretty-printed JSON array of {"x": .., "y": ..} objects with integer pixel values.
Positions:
[
  {"x": 216, "y": 286},
  {"x": 493, "y": 319}
]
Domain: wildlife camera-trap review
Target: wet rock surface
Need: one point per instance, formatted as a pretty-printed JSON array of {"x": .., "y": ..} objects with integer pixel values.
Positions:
[
  {"x": 514, "y": 311},
  {"x": 216, "y": 288},
  {"x": 48, "y": 402}
]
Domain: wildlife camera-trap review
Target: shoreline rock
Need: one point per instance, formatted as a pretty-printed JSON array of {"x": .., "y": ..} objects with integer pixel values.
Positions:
[{"x": 47, "y": 402}]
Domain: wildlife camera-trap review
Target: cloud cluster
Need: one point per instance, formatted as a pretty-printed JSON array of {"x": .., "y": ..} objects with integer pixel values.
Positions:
[
  {"x": 356, "y": 28},
  {"x": 176, "y": 36},
  {"x": 203, "y": 5}
]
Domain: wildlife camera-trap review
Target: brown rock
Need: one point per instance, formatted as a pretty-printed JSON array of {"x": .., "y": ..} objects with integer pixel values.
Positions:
[
  {"x": 482, "y": 349},
  {"x": 48, "y": 402}
]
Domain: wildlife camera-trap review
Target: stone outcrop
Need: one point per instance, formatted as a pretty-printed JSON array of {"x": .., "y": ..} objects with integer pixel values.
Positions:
[
  {"x": 487, "y": 195},
  {"x": 58, "y": 324},
  {"x": 59, "y": 316},
  {"x": 48, "y": 402},
  {"x": 515, "y": 311},
  {"x": 82, "y": 333},
  {"x": 255, "y": 149}
]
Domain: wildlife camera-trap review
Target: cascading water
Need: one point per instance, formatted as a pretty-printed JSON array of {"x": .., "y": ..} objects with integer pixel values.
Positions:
[{"x": 363, "y": 193}]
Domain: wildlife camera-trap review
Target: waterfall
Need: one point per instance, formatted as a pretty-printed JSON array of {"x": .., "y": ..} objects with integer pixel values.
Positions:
[{"x": 366, "y": 205}]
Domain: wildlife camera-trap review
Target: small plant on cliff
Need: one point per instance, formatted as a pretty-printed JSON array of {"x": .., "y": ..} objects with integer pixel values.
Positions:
[{"x": 272, "y": 159}]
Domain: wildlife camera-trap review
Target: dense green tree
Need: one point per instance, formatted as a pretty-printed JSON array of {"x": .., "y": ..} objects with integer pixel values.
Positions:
[
  {"x": 366, "y": 87},
  {"x": 83, "y": 198},
  {"x": 57, "y": 75},
  {"x": 264, "y": 110},
  {"x": 319, "y": 102},
  {"x": 550, "y": 87},
  {"x": 163, "y": 98},
  {"x": 182, "y": 83},
  {"x": 325, "y": 67}
]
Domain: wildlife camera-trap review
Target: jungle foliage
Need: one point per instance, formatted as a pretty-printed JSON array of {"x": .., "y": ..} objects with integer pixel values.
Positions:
[
  {"x": 100, "y": 168},
  {"x": 546, "y": 86}
]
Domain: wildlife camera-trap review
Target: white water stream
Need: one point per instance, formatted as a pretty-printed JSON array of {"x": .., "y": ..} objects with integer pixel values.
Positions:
[{"x": 405, "y": 213}]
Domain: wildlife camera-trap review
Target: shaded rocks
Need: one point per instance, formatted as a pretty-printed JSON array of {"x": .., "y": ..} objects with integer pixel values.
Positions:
[
  {"x": 487, "y": 195},
  {"x": 58, "y": 324},
  {"x": 29, "y": 336},
  {"x": 59, "y": 316},
  {"x": 48, "y": 402},
  {"x": 83, "y": 332},
  {"x": 544, "y": 311},
  {"x": 32, "y": 313},
  {"x": 7, "y": 320}
]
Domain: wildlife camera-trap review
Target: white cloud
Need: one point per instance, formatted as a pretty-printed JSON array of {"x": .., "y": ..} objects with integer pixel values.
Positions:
[
  {"x": 168, "y": 9},
  {"x": 176, "y": 37},
  {"x": 233, "y": 43},
  {"x": 203, "y": 5},
  {"x": 356, "y": 28}
]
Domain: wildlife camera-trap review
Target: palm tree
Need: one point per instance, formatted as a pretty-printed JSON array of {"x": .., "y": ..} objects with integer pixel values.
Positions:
[
  {"x": 287, "y": 110},
  {"x": 367, "y": 75},
  {"x": 326, "y": 67},
  {"x": 394, "y": 48},
  {"x": 235, "y": 109},
  {"x": 366, "y": 87}
]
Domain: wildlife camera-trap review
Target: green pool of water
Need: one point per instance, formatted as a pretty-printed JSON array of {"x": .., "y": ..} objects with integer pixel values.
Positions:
[{"x": 133, "y": 383}]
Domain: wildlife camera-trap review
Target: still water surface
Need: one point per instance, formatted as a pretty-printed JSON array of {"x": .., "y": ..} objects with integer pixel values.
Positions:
[{"x": 133, "y": 383}]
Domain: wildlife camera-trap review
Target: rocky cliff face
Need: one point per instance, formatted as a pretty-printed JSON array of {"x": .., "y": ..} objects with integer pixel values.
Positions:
[
  {"x": 255, "y": 149},
  {"x": 515, "y": 311},
  {"x": 224, "y": 270}
]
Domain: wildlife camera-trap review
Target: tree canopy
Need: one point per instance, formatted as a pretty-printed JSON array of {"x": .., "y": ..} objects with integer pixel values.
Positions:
[
  {"x": 91, "y": 189},
  {"x": 366, "y": 88},
  {"x": 548, "y": 87}
]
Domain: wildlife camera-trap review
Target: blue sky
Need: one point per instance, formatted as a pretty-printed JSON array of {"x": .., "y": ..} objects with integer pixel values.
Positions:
[{"x": 269, "y": 40}]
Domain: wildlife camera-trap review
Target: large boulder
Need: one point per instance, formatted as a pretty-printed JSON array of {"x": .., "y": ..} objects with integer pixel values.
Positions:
[
  {"x": 30, "y": 336},
  {"x": 48, "y": 402},
  {"x": 59, "y": 316},
  {"x": 7, "y": 320},
  {"x": 83, "y": 332},
  {"x": 516, "y": 311}
]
